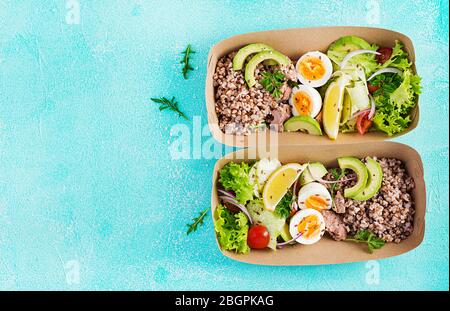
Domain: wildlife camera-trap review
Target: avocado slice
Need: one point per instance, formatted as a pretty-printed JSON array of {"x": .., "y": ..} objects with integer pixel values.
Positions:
[
  {"x": 344, "y": 45},
  {"x": 303, "y": 123},
  {"x": 260, "y": 57},
  {"x": 317, "y": 169},
  {"x": 360, "y": 169},
  {"x": 374, "y": 180},
  {"x": 246, "y": 51},
  {"x": 285, "y": 234}
]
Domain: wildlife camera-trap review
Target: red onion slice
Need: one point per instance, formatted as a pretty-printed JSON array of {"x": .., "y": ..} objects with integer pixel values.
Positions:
[
  {"x": 281, "y": 245},
  {"x": 357, "y": 114},
  {"x": 372, "y": 108},
  {"x": 225, "y": 193},
  {"x": 385, "y": 70},
  {"x": 235, "y": 203},
  {"x": 354, "y": 53}
]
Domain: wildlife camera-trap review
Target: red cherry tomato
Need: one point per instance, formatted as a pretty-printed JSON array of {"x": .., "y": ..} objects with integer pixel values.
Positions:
[
  {"x": 258, "y": 237},
  {"x": 385, "y": 54},
  {"x": 363, "y": 123},
  {"x": 372, "y": 88}
]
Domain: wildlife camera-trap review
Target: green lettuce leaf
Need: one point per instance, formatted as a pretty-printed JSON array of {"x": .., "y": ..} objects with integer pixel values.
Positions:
[
  {"x": 398, "y": 59},
  {"x": 393, "y": 109},
  {"x": 235, "y": 177},
  {"x": 232, "y": 230},
  {"x": 367, "y": 61}
]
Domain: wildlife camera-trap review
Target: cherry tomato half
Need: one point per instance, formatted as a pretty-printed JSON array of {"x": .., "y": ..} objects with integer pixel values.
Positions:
[
  {"x": 372, "y": 88},
  {"x": 363, "y": 123},
  {"x": 385, "y": 54},
  {"x": 258, "y": 237}
]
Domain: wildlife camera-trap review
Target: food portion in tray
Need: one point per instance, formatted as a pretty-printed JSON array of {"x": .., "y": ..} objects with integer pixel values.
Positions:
[
  {"x": 265, "y": 204},
  {"x": 354, "y": 86}
]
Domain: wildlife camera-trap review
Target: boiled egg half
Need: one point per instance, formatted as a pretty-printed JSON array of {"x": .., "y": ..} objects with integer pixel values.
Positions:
[
  {"x": 305, "y": 101},
  {"x": 315, "y": 196},
  {"x": 314, "y": 69},
  {"x": 308, "y": 225}
]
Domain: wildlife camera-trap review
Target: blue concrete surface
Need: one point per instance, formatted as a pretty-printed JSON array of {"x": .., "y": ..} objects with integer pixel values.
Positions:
[{"x": 89, "y": 196}]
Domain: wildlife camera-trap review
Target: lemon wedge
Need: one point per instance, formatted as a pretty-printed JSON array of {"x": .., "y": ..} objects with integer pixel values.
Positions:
[
  {"x": 279, "y": 182},
  {"x": 332, "y": 109}
]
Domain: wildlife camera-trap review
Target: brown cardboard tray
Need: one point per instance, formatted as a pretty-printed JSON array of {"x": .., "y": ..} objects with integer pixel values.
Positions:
[
  {"x": 328, "y": 251},
  {"x": 294, "y": 43}
]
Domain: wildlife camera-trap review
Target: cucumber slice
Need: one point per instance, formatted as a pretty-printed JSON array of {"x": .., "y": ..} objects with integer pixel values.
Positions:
[{"x": 317, "y": 169}]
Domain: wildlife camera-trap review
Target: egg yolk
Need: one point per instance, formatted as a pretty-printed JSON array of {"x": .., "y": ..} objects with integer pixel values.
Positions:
[
  {"x": 309, "y": 227},
  {"x": 316, "y": 202},
  {"x": 303, "y": 103},
  {"x": 312, "y": 68}
]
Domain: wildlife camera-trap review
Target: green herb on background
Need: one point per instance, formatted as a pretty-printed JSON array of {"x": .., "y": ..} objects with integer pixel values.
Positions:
[
  {"x": 172, "y": 105},
  {"x": 197, "y": 221},
  {"x": 283, "y": 209},
  {"x": 364, "y": 236},
  {"x": 185, "y": 61},
  {"x": 272, "y": 82}
]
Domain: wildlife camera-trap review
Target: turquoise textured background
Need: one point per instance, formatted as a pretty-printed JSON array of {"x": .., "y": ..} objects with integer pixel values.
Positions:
[{"x": 89, "y": 196}]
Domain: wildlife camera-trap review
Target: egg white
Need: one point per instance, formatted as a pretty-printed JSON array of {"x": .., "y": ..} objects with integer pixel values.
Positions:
[
  {"x": 326, "y": 63},
  {"x": 313, "y": 189},
  {"x": 313, "y": 95},
  {"x": 297, "y": 218}
]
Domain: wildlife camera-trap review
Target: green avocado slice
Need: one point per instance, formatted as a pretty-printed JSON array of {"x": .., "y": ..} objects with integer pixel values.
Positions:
[
  {"x": 360, "y": 169},
  {"x": 303, "y": 123},
  {"x": 317, "y": 169},
  {"x": 374, "y": 181},
  {"x": 260, "y": 57},
  {"x": 341, "y": 47},
  {"x": 246, "y": 51}
]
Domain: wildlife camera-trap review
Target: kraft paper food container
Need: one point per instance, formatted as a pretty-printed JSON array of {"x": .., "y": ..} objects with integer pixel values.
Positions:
[
  {"x": 328, "y": 251},
  {"x": 294, "y": 43}
]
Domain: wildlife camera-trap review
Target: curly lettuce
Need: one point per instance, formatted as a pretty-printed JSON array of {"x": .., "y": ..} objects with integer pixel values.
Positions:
[
  {"x": 235, "y": 177},
  {"x": 232, "y": 230},
  {"x": 398, "y": 59},
  {"x": 394, "y": 107}
]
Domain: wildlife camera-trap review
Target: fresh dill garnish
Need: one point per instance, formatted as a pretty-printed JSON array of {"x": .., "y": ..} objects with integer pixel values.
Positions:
[
  {"x": 197, "y": 221},
  {"x": 172, "y": 105},
  {"x": 185, "y": 61}
]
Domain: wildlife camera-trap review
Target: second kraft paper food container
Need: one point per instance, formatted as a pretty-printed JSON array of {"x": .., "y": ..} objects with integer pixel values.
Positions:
[
  {"x": 294, "y": 43},
  {"x": 328, "y": 251}
]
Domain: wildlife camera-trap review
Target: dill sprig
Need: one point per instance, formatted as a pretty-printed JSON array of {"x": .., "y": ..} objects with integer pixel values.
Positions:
[
  {"x": 172, "y": 105},
  {"x": 186, "y": 58},
  {"x": 197, "y": 221}
]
